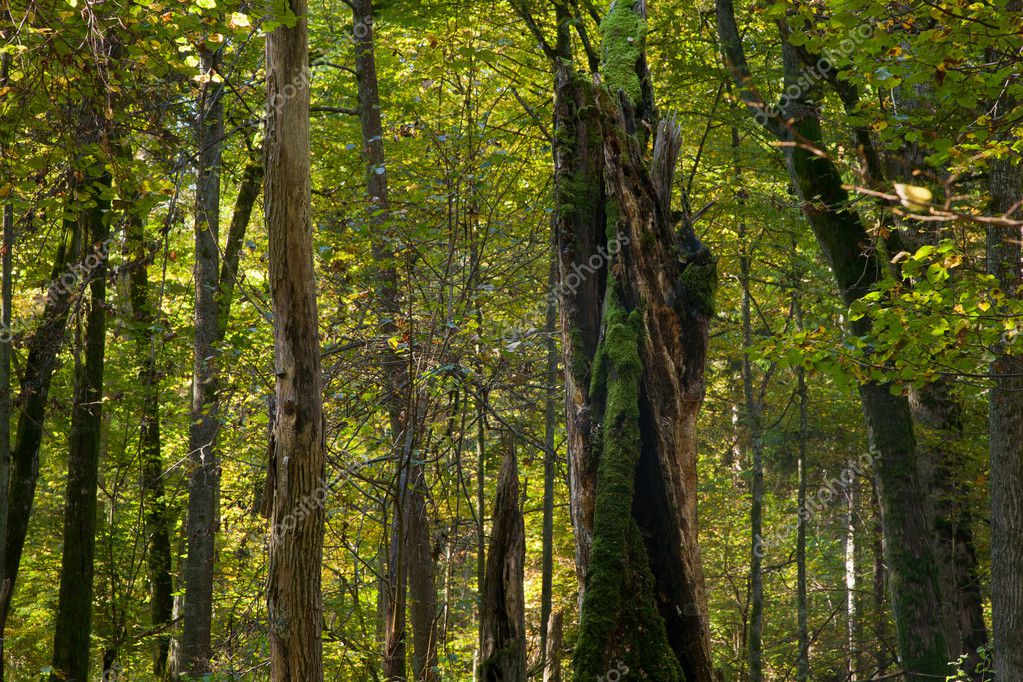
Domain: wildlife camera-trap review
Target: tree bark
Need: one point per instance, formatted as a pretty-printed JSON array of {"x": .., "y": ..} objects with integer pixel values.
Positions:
[
  {"x": 204, "y": 467},
  {"x": 802, "y": 624},
  {"x": 248, "y": 192},
  {"x": 33, "y": 395},
  {"x": 6, "y": 338},
  {"x": 916, "y": 594},
  {"x": 549, "y": 466},
  {"x": 637, "y": 299},
  {"x": 294, "y": 600},
  {"x": 755, "y": 430},
  {"x": 157, "y": 521},
  {"x": 503, "y": 656},
  {"x": 552, "y": 660},
  {"x": 1005, "y": 423},
  {"x": 74, "y": 607},
  {"x": 942, "y": 458},
  {"x": 411, "y": 563},
  {"x": 941, "y": 451}
]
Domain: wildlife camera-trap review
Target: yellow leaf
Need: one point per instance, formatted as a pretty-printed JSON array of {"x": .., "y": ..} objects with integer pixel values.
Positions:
[
  {"x": 913, "y": 197},
  {"x": 239, "y": 20}
]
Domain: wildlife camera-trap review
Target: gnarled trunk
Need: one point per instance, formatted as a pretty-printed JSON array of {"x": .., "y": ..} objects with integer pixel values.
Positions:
[
  {"x": 503, "y": 629},
  {"x": 637, "y": 294}
]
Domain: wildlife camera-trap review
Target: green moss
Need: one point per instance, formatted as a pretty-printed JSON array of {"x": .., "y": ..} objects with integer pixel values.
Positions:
[
  {"x": 699, "y": 286},
  {"x": 617, "y": 372},
  {"x": 613, "y": 216},
  {"x": 577, "y": 192},
  {"x": 580, "y": 363},
  {"x": 623, "y": 32},
  {"x": 651, "y": 657}
]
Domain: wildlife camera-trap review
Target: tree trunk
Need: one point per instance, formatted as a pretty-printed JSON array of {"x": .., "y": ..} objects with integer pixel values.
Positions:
[
  {"x": 294, "y": 600},
  {"x": 6, "y": 338},
  {"x": 503, "y": 656},
  {"x": 755, "y": 430},
  {"x": 74, "y": 609},
  {"x": 916, "y": 594},
  {"x": 851, "y": 616},
  {"x": 942, "y": 456},
  {"x": 411, "y": 557},
  {"x": 941, "y": 451},
  {"x": 552, "y": 660},
  {"x": 882, "y": 651},
  {"x": 157, "y": 521},
  {"x": 204, "y": 468},
  {"x": 637, "y": 299},
  {"x": 422, "y": 586},
  {"x": 33, "y": 395},
  {"x": 248, "y": 192},
  {"x": 1006, "y": 431},
  {"x": 549, "y": 466},
  {"x": 803, "y": 659}
]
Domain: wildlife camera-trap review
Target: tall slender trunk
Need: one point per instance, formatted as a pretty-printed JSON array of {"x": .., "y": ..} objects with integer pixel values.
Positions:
[
  {"x": 204, "y": 468},
  {"x": 1006, "y": 430},
  {"x": 755, "y": 430},
  {"x": 549, "y": 464},
  {"x": 396, "y": 382},
  {"x": 33, "y": 395},
  {"x": 916, "y": 593},
  {"x": 480, "y": 407},
  {"x": 248, "y": 192},
  {"x": 157, "y": 521},
  {"x": 851, "y": 616},
  {"x": 503, "y": 656},
  {"x": 293, "y": 591},
  {"x": 803, "y": 655},
  {"x": 411, "y": 565},
  {"x": 882, "y": 651},
  {"x": 74, "y": 606},
  {"x": 421, "y": 581},
  {"x": 6, "y": 299}
]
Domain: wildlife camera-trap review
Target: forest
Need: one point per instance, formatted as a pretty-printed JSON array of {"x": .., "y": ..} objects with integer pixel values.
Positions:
[{"x": 508, "y": 340}]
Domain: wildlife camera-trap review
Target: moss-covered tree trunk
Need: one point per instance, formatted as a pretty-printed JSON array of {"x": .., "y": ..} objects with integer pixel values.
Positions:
[
  {"x": 846, "y": 246},
  {"x": 636, "y": 289}
]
